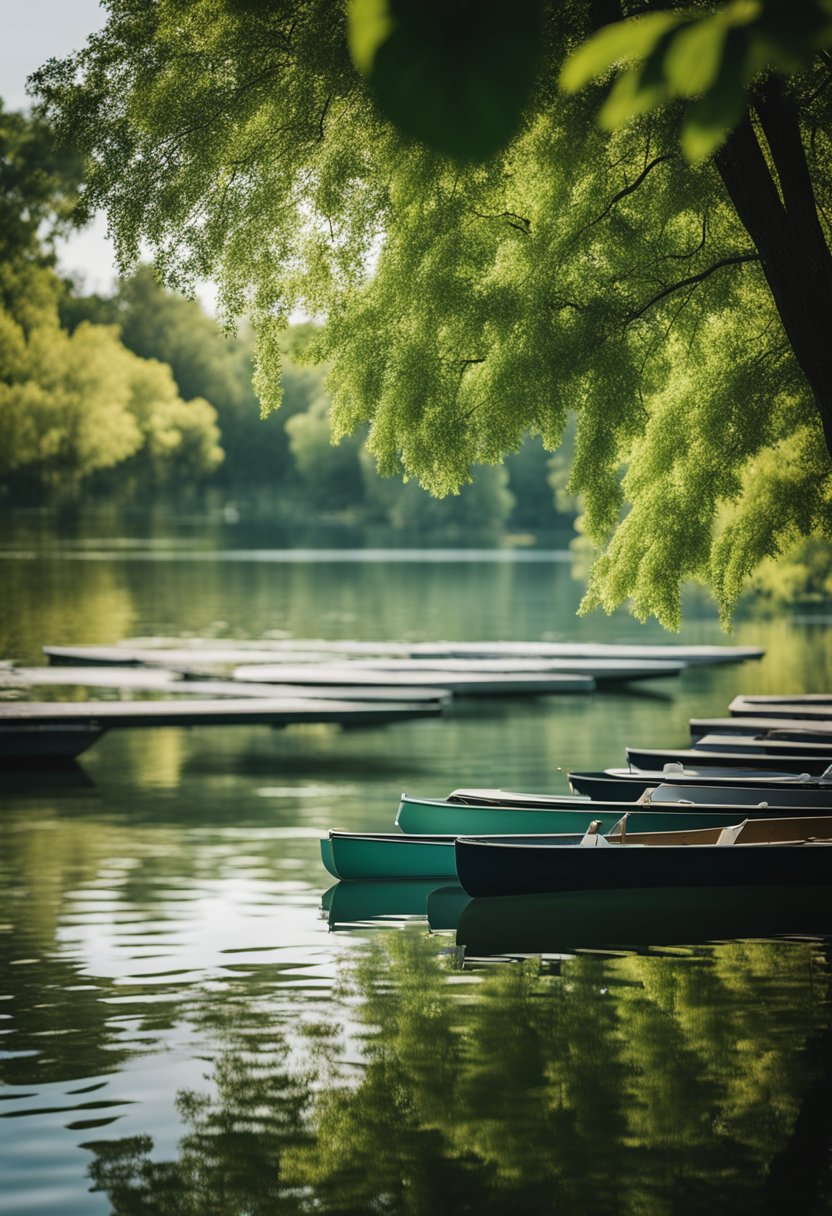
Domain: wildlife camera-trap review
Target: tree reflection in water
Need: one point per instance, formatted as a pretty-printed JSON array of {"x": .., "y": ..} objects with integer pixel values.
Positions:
[{"x": 654, "y": 1083}]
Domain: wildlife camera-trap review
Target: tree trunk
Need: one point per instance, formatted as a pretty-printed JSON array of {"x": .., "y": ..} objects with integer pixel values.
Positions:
[{"x": 787, "y": 234}]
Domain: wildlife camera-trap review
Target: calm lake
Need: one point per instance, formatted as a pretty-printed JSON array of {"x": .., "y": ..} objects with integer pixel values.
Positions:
[{"x": 190, "y": 1027}]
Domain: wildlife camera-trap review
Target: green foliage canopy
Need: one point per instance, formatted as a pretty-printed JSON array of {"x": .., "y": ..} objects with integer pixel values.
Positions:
[{"x": 469, "y": 304}]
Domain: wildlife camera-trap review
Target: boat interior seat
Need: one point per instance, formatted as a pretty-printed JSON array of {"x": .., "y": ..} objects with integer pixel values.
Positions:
[{"x": 731, "y": 834}]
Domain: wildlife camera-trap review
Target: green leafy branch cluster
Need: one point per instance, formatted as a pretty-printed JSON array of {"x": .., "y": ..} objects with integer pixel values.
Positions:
[{"x": 472, "y": 301}]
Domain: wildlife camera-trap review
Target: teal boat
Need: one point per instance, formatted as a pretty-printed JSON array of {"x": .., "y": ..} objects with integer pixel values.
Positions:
[
  {"x": 435, "y": 817},
  {"x": 363, "y": 855}
]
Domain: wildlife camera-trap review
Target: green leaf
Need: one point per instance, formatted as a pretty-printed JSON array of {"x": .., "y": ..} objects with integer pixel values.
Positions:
[
  {"x": 626, "y": 40},
  {"x": 369, "y": 24},
  {"x": 454, "y": 74},
  {"x": 709, "y": 120},
  {"x": 628, "y": 98},
  {"x": 691, "y": 64}
]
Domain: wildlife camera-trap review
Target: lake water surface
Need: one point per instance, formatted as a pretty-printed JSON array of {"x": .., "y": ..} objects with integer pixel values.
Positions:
[{"x": 184, "y": 1028}]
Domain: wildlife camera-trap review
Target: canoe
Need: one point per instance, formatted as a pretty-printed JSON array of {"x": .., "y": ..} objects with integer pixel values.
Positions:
[
  {"x": 763, "y": 745},
  {"x": 766, "y": 728},
  {"x": 615, "y": 784},
  {"x": 487, "y": 867},
  {"x": 498, "y": 797},
  {"x": 669, "y": 789},
  {"x": 697, "y": 760},
  {"x": 369, "y": 855},
  {"x": 638, "y": 919},
  {"x": 424, "y": 817},
  {"x": 797, "y": 709},
  {"x": 807, "y": 798},
  {"x": 788, "y": 698}
]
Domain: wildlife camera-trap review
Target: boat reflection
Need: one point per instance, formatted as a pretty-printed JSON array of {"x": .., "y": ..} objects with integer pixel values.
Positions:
[
  {"x": 640, "y": 919},
  {"x": 348, "y": 904}
]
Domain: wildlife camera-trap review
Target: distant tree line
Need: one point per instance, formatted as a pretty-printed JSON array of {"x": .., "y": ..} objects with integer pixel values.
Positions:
[{"x": 115, "y": 396}]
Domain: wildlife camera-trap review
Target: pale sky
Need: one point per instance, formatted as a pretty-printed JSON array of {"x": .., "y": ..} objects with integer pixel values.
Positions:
[{"x": 33, "y": 32}]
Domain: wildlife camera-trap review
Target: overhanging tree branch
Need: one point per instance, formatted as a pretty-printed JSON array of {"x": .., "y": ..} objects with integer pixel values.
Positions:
[
  {"x": 624, "y": 191},
  {"x": 689, "y": 281}
]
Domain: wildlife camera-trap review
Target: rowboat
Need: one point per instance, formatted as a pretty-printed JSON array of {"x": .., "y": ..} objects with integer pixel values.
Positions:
[
  {"x": 809, "y": 699},
  {"x": 764, "y": 745},
  {"x": 696, "y": 759},
  {"x": 763, "y": 728},
  {"x": 615, "y": 784},
  {"x": 366, "y": 855},
  {"x": 797, "y": 708},
  {"x": 758, "y": 853},
  {"x": 498, "y": 797},
  {"x": 425, "y": 817},
  {"x": 810, "y": 798},
  {"x": 669, "y": 789},
  {"x": 639, "y": 918}
]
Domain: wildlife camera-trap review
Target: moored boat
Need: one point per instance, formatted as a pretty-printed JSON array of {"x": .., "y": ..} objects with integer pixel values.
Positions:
[
  {"x": 749, "y": 854},
  {"x": 616, "y": 784},
  {"x": 810, "y": 709},
  {"x": 812, "y": 758},
  {"x": 384, "y": 855},
  {"x": 819, "y": 731},
  {"x": 435, "y": 818}
]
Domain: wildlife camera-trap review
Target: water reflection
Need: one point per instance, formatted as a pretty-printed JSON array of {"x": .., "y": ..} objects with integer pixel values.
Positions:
[
  {"x": 161, "y": 935},
  {"x": 633, "y": 1084},
  {"x": 640, "y": 919}
]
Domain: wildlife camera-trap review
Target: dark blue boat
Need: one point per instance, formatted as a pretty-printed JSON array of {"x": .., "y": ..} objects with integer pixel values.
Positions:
[
  {"x": 517, "y": 868},
  {"x": 623, "y": 785}
]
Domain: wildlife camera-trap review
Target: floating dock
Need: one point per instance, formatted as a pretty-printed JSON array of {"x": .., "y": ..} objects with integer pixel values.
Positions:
[
  {"x": 460, "y": 683},
  {"x": 495, "y": 650},
  {"x": 148, "y": 679},
  {"x": 63, "y": 730},
  {"x": 603, "y": 671}
]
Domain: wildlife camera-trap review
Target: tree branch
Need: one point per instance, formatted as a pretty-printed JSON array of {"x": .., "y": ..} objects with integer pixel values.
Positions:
[
  {"x": 625, "y": 190},
  {"x": 511, "y": 217},
  {"x": 690, "y": 280}
]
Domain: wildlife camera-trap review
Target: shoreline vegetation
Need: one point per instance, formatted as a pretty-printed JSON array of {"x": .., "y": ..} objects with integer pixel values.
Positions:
[{"x": 109, "y": 401}]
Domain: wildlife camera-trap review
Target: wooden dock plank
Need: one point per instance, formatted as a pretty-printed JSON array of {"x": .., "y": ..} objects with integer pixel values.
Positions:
[
  {"x": 279, "y": 712},
  {"x": 150, "y": 679}
]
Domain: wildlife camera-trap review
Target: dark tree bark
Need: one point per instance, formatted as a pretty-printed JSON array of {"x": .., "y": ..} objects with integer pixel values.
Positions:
[{"x": 786, "y": 232}]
